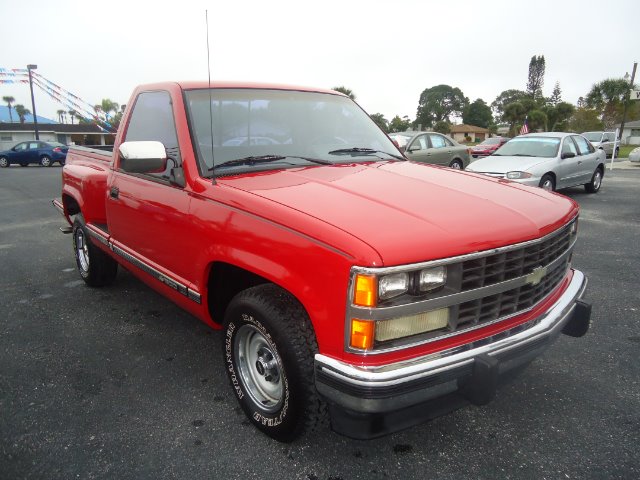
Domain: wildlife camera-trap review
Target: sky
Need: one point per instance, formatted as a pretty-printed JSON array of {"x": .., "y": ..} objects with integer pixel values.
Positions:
[{"x": 386, "y": 52}]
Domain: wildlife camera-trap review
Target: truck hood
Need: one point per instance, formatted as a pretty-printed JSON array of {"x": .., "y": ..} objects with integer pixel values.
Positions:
[
  {"x": 500, "y": 164},
  {"x": 410, "y": 212}
]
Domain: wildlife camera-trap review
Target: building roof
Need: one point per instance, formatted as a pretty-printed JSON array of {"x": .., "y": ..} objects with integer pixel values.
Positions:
[
  {"x": 6, "y": 118},
  {"x": 468, "y": 129},
  {"x": 54, "y": 128},
  {"x": 634, "y": 124}
]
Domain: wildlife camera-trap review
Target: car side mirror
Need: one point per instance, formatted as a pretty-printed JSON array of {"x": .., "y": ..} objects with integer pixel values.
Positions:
[
  {"x": 143, "y": 157},
  {"x": 568, "y": 155}
]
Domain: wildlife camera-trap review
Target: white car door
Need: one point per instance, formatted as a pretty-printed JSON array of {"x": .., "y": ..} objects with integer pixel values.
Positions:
[
  {"x": 589, "y": 159},
  {"x": 569, "y": 169}
]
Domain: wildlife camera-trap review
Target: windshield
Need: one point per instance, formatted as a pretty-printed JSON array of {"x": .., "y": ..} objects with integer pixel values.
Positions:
[
  {"x": 294, "y": 125},
  {"x": 593, "y": 136},
  {"x": 546, "y": 147},
  {"x": 491, "y": 141}
]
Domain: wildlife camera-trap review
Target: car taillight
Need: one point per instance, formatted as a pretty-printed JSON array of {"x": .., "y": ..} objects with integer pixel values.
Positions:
[{"x": 57, "y": 150}]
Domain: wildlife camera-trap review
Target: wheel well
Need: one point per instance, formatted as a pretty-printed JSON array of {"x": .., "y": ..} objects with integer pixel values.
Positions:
[
  {"x": 225, "y": 281},
  {"x": 552, "y": 175},
  {"x": 70, "y": 204}
]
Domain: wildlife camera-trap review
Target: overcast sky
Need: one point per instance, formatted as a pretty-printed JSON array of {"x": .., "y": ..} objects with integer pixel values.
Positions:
[{"x": 386, "y": 52}]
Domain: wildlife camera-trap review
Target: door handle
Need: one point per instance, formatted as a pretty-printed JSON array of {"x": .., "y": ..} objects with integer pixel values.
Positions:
[{"x": 114, "y": 192}]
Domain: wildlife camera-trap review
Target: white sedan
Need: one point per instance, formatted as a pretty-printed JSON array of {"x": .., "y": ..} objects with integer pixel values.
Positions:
[
  {"x": 551, "y": 160},
  {"x": 634, "y": 156}
]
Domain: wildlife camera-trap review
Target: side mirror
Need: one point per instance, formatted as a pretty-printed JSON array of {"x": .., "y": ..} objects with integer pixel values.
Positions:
[
  {"x": 143, "y": 157},
  {"x": 567, "y": 155}
]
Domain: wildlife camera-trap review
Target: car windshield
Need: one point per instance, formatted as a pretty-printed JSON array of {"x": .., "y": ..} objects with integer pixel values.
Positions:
[
  {"x": 290, "y": 128},
  {"x": 546, "y": 147},
  {"x": 593, "y": 136},
  {"x": 491, "y": 141}
]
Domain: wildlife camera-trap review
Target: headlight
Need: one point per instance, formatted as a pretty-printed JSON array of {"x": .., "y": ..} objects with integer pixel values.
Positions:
[
  {"x": 393, "y": 285},
  {"x": 432, "y": 278},
  {"x": 413, "y": 325},
  {"x": 518, "y": 175}
]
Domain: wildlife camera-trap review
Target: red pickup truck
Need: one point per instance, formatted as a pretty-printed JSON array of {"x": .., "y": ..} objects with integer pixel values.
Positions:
[{"x": 351, "y": 284}]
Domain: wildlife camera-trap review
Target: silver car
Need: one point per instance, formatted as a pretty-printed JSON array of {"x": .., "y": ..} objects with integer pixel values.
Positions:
[
  {"x": 634, "y": 156},
  {"x": 432, "y": 147},
  {"x": 603, "y": 140},
  {"x": 547, "y": 160}
]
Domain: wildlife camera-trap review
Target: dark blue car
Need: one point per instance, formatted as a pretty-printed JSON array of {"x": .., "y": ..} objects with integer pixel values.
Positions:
[{"x": 34, "y": 151}]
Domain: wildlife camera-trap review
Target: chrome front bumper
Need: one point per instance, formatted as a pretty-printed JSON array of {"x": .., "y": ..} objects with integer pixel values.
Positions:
[{"x": 471, "y": 371}]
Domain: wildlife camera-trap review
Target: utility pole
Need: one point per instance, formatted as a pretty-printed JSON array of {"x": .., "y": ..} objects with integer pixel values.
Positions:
[
  {"x": 33, "y": 102},
  {"x": 626, "y": 100}
]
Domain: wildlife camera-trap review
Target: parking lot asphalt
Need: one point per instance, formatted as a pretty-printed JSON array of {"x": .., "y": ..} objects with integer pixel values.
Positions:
[{"x": 120, "y": 383}]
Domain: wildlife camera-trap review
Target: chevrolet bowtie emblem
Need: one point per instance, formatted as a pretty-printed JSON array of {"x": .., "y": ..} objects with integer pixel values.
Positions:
[{"x": 535, "y": 277}]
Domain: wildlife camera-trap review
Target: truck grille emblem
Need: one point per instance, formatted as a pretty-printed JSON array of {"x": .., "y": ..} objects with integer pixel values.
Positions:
[{"x": 536, "y": 276}]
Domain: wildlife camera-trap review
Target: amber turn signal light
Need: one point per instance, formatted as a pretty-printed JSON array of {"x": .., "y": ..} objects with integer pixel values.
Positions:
[
  {"x": 365, "y": 292},
  {"x": 362, "y": 334}
]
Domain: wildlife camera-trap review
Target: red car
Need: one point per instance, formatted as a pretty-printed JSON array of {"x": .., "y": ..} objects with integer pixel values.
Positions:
[
  {"x": 346, "y": 279},
  {"x": 487, "y": 147}
]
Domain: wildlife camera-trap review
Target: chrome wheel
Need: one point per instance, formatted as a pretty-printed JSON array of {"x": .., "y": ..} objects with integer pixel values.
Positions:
[
  {"x": 45, "y": 161},
  {"x": 456, "y": 165},
  {"x": 4, "y": 162},
  {"x": 597, "y": 180},
  {"x": 82, "y": 250},
  {"x": 259, "y": 367},
  {"x": 547, "y": 185}
]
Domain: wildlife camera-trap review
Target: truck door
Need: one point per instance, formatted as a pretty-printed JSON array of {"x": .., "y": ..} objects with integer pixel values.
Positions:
[{"x": 147, "y": 214}]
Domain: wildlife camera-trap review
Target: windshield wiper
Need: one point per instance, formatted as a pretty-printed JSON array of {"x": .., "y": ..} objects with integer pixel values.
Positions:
[
  {"x": 362, "y": 150},
  {"x": 254, "y": 160}
]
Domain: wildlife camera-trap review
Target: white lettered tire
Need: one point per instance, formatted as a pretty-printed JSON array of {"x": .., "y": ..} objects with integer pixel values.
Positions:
[{"x": 268, "y": 349}]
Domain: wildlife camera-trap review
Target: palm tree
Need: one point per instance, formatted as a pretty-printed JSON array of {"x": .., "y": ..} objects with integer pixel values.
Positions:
[
  {"x": 60, "y": 116},
  {"x": 347, "y": 91},
  {"x": 9, "y": 101},
  {"x": 107, "y": 105},
  {"x": 72, "y": 114},
  {"x": 22, "y": 112}
]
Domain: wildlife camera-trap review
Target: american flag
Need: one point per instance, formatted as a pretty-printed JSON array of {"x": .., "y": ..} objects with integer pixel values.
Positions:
[{"x": 525, "y": 127}]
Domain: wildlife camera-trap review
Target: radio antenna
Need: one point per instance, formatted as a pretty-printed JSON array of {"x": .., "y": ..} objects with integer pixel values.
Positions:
[{"x": 213, "y": 163}]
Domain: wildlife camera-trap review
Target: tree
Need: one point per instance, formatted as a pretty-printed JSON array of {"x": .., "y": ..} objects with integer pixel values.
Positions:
[
  {"x": 477, "y": 113},
  {"x": 584, "y": 120},
  {"x": 347, "y": 91},
  {"x": 398, "y": 124},
  {"x": 504, "y": 99},
  {"x": 537, "y": 120},
  {"x": 440, "y": 103},
  {"x": 60, "y": 116},
  {"x": 558, "y": 116},
  {"x": 72, "y": 114},
  {"x": 608, "y": 97},
  {"x": 22, "y": 112},
  {"x": 382, "y": 122},
  {"x": 536, "y": 76},
  {"x": 443, "y": 127},
  {"x": 9, "y": 100},
  {"x": 556, "y": 95},
  {"x": 514, "y": 113},
  {"x": 107, "y": 105}
]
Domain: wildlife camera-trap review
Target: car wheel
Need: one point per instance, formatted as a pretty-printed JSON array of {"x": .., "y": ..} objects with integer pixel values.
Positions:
[
  {"x": 4, "y": 162},
  {"x": 268, "y": 351},
  {"x": 61, "y": 162},
  {"x": 45, "y": 161},
  {"x": 547, "y": 182},
  {"x": 456, "y": 165},
  {"x": 96, "y": 268},
  {"x": 596, "y": 181}
]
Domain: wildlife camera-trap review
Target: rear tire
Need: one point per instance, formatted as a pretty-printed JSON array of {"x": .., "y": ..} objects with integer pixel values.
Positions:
[
  {"x": 596, "y": 181},
  {"x": 456, "y": 165},
  {"x": 96, "y": 268},
  {"x": 268, "y": 351},
  {"x": 45, "y": 161},
  {"x": 4, "y": 162},
  {"x": 548, "y": 183}
]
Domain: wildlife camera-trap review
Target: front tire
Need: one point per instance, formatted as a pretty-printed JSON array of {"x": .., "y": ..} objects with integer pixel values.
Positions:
[
  {"x": 96, "y": 268},
  {"x": 596, "y": 181},
  {"x": 45, "y": 161},
  {"x": 548, "y": 183},
  {"x": 268, "y": 351},
  {"x": 4, "y": 162}
]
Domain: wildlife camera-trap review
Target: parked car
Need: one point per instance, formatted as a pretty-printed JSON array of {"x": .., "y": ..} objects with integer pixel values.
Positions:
[
  {"x": 603, "y": 140},
  {"x": 432, "y": 147},
  {"x": 34, "y": 151},
  {"x": 634, "y": 155},
  {"x": 548, "y": 160},
  {"x": 487, "y": 147}
]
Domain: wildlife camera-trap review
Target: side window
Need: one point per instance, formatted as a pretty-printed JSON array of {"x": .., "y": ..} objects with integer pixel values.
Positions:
[
  {"x": 152, "y": 119},
  {"x": 33, "y": 145},
  {"x": 21, "y": 147},
  {"x": 583, "y": 145},
  {"x": 419, "y": 143},
  {"x": 447, "y": 142},
  {"x": 610, "y": 137},
  {"x": 568, "y": 146},
  {"x": 437, "y": 141}
]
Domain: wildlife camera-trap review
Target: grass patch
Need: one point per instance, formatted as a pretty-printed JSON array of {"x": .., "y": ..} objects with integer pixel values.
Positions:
[{"x": 625, "y": 150}]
